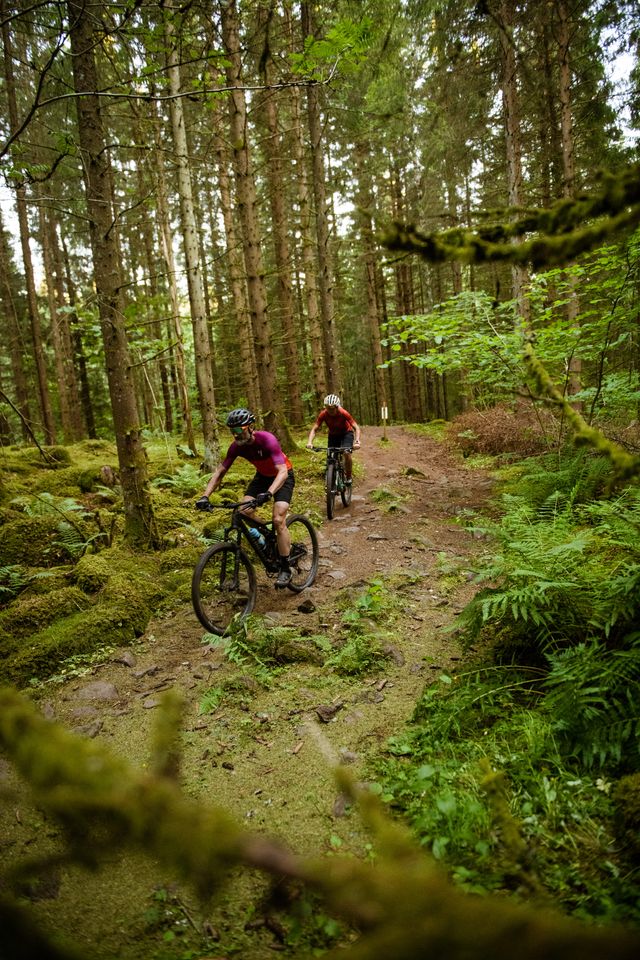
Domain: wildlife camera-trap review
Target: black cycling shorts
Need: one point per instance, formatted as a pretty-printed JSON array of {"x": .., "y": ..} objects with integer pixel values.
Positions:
[
  {"x": 344, "y": 440},
  {"x": 260, "y": 484}
]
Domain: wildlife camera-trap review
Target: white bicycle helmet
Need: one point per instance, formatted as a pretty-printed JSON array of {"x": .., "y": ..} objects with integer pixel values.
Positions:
[{"x": 332, "y": 400}]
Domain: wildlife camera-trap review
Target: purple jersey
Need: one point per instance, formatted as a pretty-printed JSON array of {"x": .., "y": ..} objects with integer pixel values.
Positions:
[{"x": 264, "y": 452}]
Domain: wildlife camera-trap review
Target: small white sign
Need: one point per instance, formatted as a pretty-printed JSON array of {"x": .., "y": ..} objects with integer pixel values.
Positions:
[{"x": 385, "y": 413}]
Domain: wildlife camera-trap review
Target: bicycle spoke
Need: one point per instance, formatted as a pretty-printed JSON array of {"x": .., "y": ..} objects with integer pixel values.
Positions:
[
  {"x": 303, "y": 558},
  {"x": 223, "y": 587}
]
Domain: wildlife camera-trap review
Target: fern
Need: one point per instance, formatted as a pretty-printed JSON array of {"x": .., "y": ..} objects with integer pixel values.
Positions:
[
  {"x": 560, "y": 579},
  {"x": 186, "y": 480},
  {"x": 47, "y": 505},
  {"x": 594, "y": 699},
  {"x": 14, "y": 579}
]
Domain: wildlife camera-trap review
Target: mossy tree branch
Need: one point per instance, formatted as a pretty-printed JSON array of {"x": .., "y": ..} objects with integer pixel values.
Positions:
[
  {"x": 403, "y": 905},
  {"x": 563, "y": 231}
]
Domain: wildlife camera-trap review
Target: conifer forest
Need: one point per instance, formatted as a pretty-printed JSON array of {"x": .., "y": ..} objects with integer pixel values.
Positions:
[{"x": 423, "y": 738}]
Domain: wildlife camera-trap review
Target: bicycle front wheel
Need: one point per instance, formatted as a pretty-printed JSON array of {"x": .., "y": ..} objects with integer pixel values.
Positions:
[
  {"x": 330, "y": 483},
  {"x": 223, "y": 587},
  {"x": 303, "y": 559}
]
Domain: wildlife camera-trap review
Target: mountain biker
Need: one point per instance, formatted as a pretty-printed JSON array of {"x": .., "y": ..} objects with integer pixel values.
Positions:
[
  {"x": 273, "y": 478},
  {"x": 341, "y": 427}
]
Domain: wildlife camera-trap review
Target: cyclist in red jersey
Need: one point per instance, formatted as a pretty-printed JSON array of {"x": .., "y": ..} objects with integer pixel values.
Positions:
[
  {"x": 343, "y": 430},
  {"x": 273, "y": 478}
]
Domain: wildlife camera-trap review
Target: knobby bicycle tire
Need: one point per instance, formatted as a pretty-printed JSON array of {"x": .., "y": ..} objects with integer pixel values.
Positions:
[
  {"x": 303, "y": 559},
  {"x": 330, "y": 484},
  {"x": 345, "y": 489},
  {"x": 223, "y": 587}
]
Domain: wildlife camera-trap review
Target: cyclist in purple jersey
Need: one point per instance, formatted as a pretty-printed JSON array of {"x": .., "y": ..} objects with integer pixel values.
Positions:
[{"x": 274, "y": 477}]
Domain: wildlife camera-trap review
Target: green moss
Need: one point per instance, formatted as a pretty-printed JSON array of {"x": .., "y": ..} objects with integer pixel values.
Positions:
[
  {"x": 106, "y": 625},
  {"x": 179, "y": 558},
  {"x": 30, "y": 613},
  {"x": 32, "y": 541}
]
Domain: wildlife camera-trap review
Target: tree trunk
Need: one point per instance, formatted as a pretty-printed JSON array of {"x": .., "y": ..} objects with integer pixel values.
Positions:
[
  {"x": 201, "y": 338},
  {"x": 68, "y": 394},
  {"x": 140, "y": 522},
  {"x": 275, "y": 176},
  {"x": 568, "y": 182},
  {"x": 247, "y": 203},
  {"x": 235, "y": 268},
  {"x": 46, "y": 412},
  {"x": 333, "y": 372},
  {"x": 364, "y": 167},
  {"x": 309, "y": 266},
  {"x": 511, "y": 111},
  {"x": 175, "y": 323},
  {"x": 79, "y": 358},
  {"x": 12, "y": 334}
]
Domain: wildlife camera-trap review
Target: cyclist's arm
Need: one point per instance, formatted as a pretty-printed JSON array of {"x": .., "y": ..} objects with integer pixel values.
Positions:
[
  {"x": 280, "y": 477},
  {"x": 312, "y": 434},
  {"x": 214, "y": 482},
  {"x": 356, "y": 439}
]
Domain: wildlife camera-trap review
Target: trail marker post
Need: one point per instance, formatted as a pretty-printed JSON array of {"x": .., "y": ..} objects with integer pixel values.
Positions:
[{"x": 385, "y": 416}]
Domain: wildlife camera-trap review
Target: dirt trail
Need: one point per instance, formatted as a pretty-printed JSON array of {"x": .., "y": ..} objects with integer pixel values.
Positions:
[{"x": 263, "y": 752}]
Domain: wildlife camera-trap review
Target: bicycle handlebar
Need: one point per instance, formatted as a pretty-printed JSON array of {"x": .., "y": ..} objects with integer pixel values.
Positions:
[{"x": 232, "y": 506}]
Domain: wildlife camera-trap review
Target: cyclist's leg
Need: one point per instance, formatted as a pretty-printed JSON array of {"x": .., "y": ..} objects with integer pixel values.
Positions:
[
  {"x": 347, "y": 445},
  {"x": 282, "y": 499},
  {"x": 258, "y": 484}
]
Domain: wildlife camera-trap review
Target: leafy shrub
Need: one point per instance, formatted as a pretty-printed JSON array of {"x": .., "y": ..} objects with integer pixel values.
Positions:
[{"x": 525, "y": 430}]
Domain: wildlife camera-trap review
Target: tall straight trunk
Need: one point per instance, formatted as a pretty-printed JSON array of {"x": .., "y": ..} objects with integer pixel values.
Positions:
[
  {"x": 140, "y": 521},
  {"x": 309, "y": 263},
  {"x": 568, "y": 179},
  {"x": 364, "y": 205},
  {"x": 275, "y": 176},
  {"x": 68, "y": 394},
  {"x": 247, "y": 203},
  {"x": 79, "y": 358},
  {"x": 175, "y": 323},
  {"x": 12, "y": 334},
  {"x": 513, "y": 142},
  {"x": 155, "y": 324},
  {"x": 46, "y": 411},
  {"x": 325, "y": 268},
  {"x": 201, "y": 337},
  {"x": 235, "y": 268}
]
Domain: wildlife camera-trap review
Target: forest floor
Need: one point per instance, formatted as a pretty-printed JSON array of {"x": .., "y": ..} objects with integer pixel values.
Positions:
[{"x": 262, "y": 752}]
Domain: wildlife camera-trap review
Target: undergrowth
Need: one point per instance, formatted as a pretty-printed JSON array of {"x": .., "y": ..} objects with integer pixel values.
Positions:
[{"x": 433, "y": 775}]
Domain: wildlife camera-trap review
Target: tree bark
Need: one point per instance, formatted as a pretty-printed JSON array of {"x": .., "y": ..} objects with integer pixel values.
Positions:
[
  {"x": 247, "y": 204},
  {"x": 46, "y": 411},
  {"x": 175, "y": 323},
  {"x": 201, "y": 338},
  {"x": 140, "y": 521},
  {"x": 333, "y": 371},
  {"x": 12, "y": 334}
]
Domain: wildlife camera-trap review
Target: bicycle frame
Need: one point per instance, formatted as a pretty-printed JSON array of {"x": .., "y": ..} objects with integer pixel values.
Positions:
[{"x": 238, "y": 531}]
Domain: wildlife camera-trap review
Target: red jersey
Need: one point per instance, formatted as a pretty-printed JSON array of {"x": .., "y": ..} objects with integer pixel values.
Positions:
[{"x": 339, "y": 422}]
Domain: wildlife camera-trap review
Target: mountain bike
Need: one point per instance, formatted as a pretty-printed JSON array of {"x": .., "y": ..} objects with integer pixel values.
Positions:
[
  {"x": 335, "y": 479},
  {"x": 224, "y": 585}
]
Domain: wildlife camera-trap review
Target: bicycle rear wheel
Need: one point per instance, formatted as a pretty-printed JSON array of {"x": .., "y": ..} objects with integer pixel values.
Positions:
[
  {"x": 303, "y": 559},
  {"x": 345, "y": 490},
  {"x": 330, "y": 484},
  {"x": 223, "y": 587}
]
